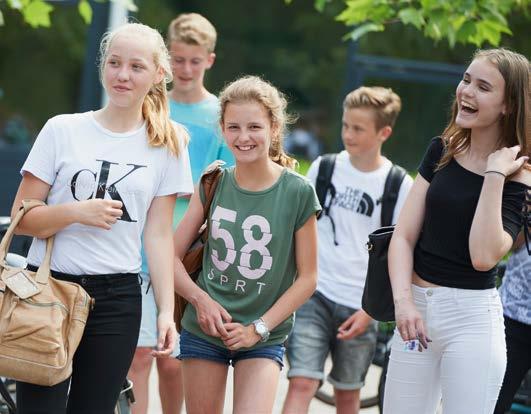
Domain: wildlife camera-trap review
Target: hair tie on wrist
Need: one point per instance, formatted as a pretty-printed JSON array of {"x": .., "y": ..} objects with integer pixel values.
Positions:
[{"x": 495, "y": 172}]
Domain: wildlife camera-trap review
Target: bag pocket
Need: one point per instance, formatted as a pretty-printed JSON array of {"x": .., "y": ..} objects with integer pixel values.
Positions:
[{"x": 29, "y": 326}]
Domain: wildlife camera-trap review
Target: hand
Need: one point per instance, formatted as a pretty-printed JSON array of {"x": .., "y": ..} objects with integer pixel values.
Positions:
[
  {"x": 239, "y": 336},
  {"x": 409, "y": 322},
  {"x": 504, "y": 160},
  {"x": 211, "y": 316},
  {"x": 167, "y": 336},
  {"x": 355, "y": 325},
  {"x": 99, "y": 213}
]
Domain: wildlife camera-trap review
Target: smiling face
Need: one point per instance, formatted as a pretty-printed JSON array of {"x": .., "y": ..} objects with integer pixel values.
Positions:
[
  {"x": 129, "y": 70},
  {"x": 188, "y": 64},
  {"x": 247, "y": 129},
  {"x": 480, "y": 96}
]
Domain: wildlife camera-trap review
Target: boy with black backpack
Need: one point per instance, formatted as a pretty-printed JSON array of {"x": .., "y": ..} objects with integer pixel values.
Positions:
[{"x": 360, "y": 190}]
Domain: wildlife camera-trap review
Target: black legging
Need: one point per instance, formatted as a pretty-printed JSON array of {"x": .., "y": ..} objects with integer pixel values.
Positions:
[
  {"x": 518, "y": 337},
  {"x": 104, "y": 355}
]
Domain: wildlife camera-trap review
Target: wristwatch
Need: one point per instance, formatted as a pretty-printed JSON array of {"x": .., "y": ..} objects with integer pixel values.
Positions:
[{"x": 261, "y": 329}]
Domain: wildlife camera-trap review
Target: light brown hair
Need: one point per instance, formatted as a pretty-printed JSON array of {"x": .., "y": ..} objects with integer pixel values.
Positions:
[
  {"x": 515, "y": 123},
  {"x": 385, "y": 104},
  {"x": 193, "y": 29},
  {"x": 255, "y": 89},
  {"x": 155, "y": 109}
]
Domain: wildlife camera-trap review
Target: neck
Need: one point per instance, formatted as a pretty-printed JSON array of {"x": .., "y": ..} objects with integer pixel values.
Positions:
[
  {"x": 367, "y": 163},
  {"x": 118, "y": 119},
  {"x": 258, "y": 175},
  {"x": 189, "y": 97},
  {"x": 483, "y": 142}
]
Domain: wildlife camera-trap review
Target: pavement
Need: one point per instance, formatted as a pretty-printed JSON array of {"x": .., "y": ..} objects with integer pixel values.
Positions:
[{"x": 316, "y": 406}]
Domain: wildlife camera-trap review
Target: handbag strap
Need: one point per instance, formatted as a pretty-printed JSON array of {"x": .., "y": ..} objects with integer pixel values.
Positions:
[
  {"x": 44, "y": 269},
  {"x": 209, "y": 181}
]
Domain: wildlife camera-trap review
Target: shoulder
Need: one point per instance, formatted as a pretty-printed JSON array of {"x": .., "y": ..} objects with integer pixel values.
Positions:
[
  {"x": 437, "y": 145},
  {"x": 523, "y": 177},
  {"x": 296, "y": 180},
  {"x": 182, "y": 131},
  {"x": 66, "y": 120}
]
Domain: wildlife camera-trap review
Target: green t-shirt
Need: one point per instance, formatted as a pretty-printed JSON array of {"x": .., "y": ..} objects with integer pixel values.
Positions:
[{"x": 249, "y": 259}]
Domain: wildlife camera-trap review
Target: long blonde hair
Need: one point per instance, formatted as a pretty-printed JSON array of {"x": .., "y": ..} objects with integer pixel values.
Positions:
[
  {"x": 253, "y": 88},
  {"x": 515, "y": 124},
  {"x": 155, "y": 108}
]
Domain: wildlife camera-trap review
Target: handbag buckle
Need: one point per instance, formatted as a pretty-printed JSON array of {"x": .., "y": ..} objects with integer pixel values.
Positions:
[{"x": 369, "y": 246}]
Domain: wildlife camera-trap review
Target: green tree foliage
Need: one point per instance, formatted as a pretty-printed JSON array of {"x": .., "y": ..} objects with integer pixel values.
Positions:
[
  {"x": 474, "y": 22},
  {"x": 37, "y": 13}
]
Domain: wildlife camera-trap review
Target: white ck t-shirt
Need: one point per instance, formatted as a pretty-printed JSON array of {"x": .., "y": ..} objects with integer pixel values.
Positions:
[
  {"x": 356, "y": 211},
  {"x": 82, "y": 160}
]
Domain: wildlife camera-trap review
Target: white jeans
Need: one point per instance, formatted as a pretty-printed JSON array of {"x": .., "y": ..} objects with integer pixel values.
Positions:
[{"x": 464, "y": 364}]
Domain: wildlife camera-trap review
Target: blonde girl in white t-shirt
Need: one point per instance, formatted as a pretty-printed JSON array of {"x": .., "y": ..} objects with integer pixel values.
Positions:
[{"x": 107, "y": 176}]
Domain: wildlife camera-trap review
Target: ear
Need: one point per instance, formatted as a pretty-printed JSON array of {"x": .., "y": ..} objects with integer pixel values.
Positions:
[
  {"x": 275, "y": 129},
  {"x": 211, "y": 58},
  {"x": 159, "y": 76},
  {"x": 504, "y": 110},
  {"x": 385, "y": 133}
]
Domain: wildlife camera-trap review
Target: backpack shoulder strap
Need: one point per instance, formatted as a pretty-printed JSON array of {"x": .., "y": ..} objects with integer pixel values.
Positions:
[
  {"x": 324, "y": 176},
  {"x": 392, "y": 186}
]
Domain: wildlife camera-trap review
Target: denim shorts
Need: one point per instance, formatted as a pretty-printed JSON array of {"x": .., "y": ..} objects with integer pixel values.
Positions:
[
  {"x": 314, "y": 337},
  {"x": 148, "y": 336},
  {"x": 194, "y": 347}
]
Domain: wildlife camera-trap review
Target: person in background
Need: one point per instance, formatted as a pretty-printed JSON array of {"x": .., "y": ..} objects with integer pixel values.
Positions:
[
  {"x": 515, "y": 294},
  {"x": 332, "y": 321}
]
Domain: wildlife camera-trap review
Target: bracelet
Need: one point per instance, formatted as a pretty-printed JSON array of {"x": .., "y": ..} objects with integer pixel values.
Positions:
[{"x": 495, "y": 172}]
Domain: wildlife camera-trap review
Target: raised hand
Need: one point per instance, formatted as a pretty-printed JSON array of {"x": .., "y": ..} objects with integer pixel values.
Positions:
[
  {"x": 505, "y": 161},
  {"x": 99, "y": 213}
]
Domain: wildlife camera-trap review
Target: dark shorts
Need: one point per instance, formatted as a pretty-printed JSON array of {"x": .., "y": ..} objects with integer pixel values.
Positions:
[{"x": 194, "y": 347}]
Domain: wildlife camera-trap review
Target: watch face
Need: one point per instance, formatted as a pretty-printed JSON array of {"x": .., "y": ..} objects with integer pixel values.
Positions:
[{"x": 261, "y": 329}]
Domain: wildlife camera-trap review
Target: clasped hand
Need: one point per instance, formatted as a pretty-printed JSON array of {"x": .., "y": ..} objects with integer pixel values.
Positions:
[{"x": 215, "y": 321}]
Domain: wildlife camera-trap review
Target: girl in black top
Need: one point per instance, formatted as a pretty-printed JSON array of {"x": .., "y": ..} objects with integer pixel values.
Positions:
[{"x": 460, "y": 218}]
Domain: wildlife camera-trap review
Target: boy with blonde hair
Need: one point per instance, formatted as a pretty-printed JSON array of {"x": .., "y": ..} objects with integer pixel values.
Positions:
[
  {"x": 191, "y": 41},
  {"x": 332, "y": 320}
]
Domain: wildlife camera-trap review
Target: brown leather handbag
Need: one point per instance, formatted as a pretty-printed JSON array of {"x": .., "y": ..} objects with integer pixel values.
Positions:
[
  {"x": 193, "y": 258},
  {"x": 41, "y": 319}
]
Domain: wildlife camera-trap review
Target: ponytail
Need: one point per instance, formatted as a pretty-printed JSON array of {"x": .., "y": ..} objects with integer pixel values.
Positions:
[{"x": 160, "y": 130}]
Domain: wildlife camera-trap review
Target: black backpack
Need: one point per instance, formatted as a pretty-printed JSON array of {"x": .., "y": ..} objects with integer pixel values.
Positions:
[{"x": 324, "y": 186}]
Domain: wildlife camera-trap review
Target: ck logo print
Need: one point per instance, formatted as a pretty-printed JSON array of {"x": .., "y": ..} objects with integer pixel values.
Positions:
[{"x": 102, "y": 186}]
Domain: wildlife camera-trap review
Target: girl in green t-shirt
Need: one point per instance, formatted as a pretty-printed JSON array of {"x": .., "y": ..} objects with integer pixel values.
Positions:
[{"x": 259, "y": 264}]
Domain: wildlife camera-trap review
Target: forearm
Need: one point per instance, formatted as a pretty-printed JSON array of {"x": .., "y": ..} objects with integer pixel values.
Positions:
[
  {"x": 43, "y": 222},
  {"x": 488, "y": 241},
  {"x": 184, "y": 285},
  {"x": 400, "y": 262},
  {"x": 296, "y": 295},
  {"x": 159, "y": 252}
]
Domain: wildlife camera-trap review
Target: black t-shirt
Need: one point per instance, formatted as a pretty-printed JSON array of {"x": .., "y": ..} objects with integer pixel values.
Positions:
[{"x": 442, "y": 254}]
